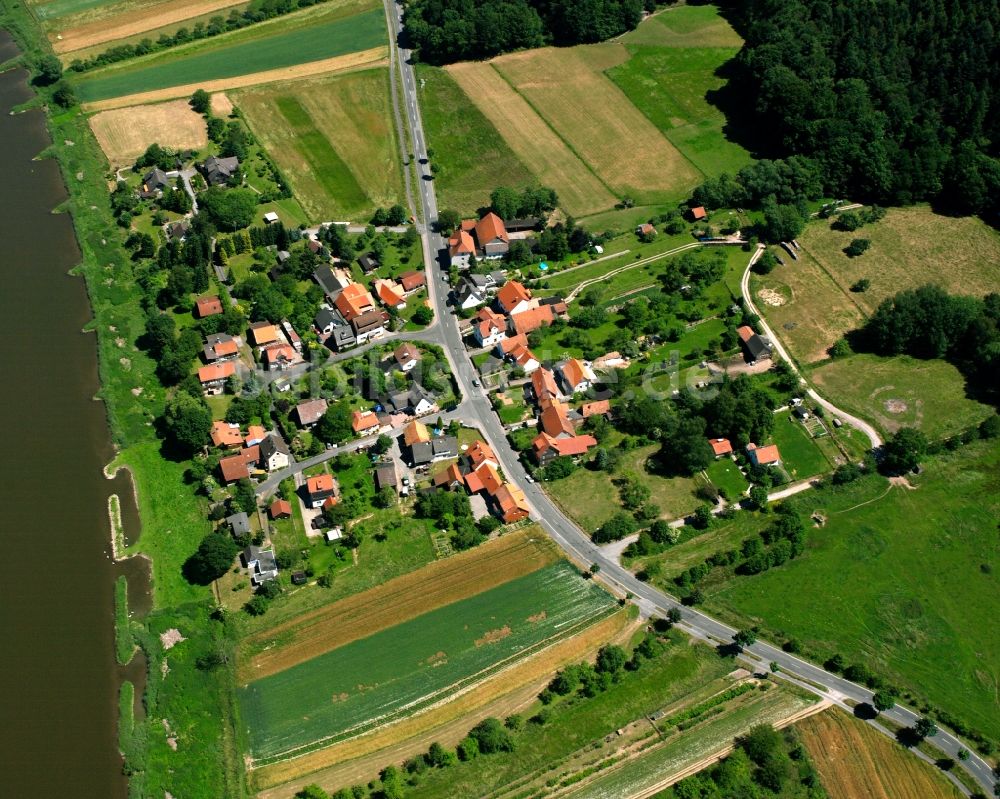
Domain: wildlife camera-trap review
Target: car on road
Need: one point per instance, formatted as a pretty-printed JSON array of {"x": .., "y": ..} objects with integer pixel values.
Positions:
[{"x": 475, "y": 383}]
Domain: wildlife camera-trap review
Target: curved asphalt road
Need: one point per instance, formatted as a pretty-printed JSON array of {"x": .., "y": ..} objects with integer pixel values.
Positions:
[{"x": 574, "y": 542}]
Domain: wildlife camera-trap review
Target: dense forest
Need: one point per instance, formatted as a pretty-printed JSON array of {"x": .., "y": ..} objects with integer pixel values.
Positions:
[
  {"x": 892, "y": 101},
  {"x": 443, "y": 31}
]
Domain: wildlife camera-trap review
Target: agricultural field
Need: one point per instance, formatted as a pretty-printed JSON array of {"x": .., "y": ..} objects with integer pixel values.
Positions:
[
  {"x": 125, "y": 133},
  {"x": 901, "y": 392},
  {"x": 900, "y": 579},
  {"x": 910, "y": 247},
  {"x": 321, "y": 33},
  {"x": 355, "y": 687},
  {"x": 598, "y": 122},
  {"x": 92, "y": 30},
  {"x": 290, "y": 642},
  {"x": 854, "y": 760},
  {"x": 334, "y": 140},
  {"x": 471, "y": 157}
]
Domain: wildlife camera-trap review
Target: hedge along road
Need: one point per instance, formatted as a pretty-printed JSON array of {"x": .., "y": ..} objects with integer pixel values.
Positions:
[
  {"x": 564, "y": 532},
  {"x": 338, "y": 37}
]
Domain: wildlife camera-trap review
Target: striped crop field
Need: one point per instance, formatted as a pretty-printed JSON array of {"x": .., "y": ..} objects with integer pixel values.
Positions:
[
  {"x": 433, "y": 657},
  {"x": 285, "y": 43}
]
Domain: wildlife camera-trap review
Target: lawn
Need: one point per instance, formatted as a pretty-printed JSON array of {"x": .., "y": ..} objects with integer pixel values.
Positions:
[
  {"x": 727, "y": 477},
  {"x": 471, "y": 157},
  {"x": 800, "y": 455},
  {"x": 334, "y": 139},
  {"x": 910, "y": 247},
  {"x": 671, "y": 678},
  {"x": 901, "y": 392},
  {"x": 853, "y": 759},
  {"x": 901, "y": 580},
  {"x": 285, "y": 42},
  {"x": 356, "y": 687}
]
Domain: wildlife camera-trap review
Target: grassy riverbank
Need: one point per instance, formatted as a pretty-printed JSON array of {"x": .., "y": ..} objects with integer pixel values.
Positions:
[{"x": 196, "y": 702}]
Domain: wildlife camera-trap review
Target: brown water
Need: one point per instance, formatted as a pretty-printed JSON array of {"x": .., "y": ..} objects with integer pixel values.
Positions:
[{"x": 59, "y": 679}]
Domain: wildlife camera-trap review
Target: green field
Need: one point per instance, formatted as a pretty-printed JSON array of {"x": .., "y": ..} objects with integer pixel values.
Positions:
[
  {"x": 389, "y": 674},
  {"x": 901, "y": 580},
  {"x": 800, "y": 455},
  {"x": 901, "y": 392},
  {"x": 60, "y": 8},
  {"x": 471, "y": 157},
  {"x": 269, "y": 47},
  {"x": 726, "y": 475}
]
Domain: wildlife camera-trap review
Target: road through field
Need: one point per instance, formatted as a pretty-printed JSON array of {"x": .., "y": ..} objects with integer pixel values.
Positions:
[{"x": 564, "y": 532}]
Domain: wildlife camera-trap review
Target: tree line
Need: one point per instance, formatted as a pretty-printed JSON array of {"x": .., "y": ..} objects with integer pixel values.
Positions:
[
  {"x": 444, "y": 31},
  {"x": 891, "y": 101}
]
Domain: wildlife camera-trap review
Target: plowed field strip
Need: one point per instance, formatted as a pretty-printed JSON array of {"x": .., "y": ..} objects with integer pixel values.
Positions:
[{"x": 441, "y": 583}]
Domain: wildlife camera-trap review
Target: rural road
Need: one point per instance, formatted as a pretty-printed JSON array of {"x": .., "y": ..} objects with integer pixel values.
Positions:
[{"x": 475, "y": 409}]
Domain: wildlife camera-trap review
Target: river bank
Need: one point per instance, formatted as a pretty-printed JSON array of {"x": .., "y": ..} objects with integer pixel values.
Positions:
[{"x": 184, "y": 744}]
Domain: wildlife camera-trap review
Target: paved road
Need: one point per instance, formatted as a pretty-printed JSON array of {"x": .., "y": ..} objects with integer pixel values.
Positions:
[
  {"x": 475, "y": 408},
  {"x": 873, "y": 437}
]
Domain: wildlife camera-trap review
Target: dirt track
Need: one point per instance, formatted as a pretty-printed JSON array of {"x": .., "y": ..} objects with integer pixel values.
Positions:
[
  {"x": 133, "y": 22},
  {"x": 376, "y": 56}
]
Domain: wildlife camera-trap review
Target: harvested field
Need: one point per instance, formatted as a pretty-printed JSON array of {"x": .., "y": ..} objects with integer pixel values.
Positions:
[
  {"x": 507, "y": 692},
  {"x": 344, "y": 63},
  {"x": 315, "y": 34},
  {"x": 532, "y": 140},
  {"x": 120, "y": 21},
  {"x": 222, "y": 106},
  {"x": 125, "y": 133},
  {"x": 855, "y": 761},
  {"x": 598, "y": 121},
  {"x": 434, "y": 586},
  {"x": 357, "y": 687}
]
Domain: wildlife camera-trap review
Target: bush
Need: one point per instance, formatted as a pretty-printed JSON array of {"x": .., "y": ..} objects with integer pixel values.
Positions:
[
  {"x": 857, "y": 247},
  {"x": 491, "y": 737}
]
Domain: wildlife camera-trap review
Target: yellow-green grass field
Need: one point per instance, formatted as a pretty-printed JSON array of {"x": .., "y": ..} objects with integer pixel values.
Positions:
[
  {"x": 333, "y": 138},
  {"x": 901, "y": 579},
  {"x": 317, "y": 33},
  {"x": 471, "y": 157},
  {"x": 374, "y": 680},
  {"x": 901, "y": 392}
]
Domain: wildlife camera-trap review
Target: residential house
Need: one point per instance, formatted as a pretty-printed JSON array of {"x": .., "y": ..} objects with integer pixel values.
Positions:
[
  {"x": 407, "y": 356},
  {"x": 364, "y": 422},
  {"x": 513, "y": 297},
  {"x": 255, "y": 434},
  {"x": 491, "y": 236},
  {"x": 506, "y": 345},
  {"x": 461, "y": 248},
  {"x": 260, "y": 563},
  {"x": 280, "y": 509},
  {"x": 271, "y": 217},
  {"x": 353, "y": 301},
  {"x": 412, "y": 281},
  {"x": 278, "y": 357},
  {"x": 438, "y": 448},
  {"x": 291, "y": 336},
  {"x": 531, "y": 319},
  {"x": 543, "y": 385},
  {"x": 755, "y": 347},
  {"x": 219, "y": 171},
  {"x": 489, "y": 328},
  {"x": 314, "y": 246},
  {"x": 207, "y": 306},
  {"x": 521, "y": 356},
  {"x": 319, "y": 489},
  {"x": 415, "y": 432},
  {"x": 309, "y": 412},
  {"x": 721, "y": 447},
  {"x": 697, "y": 213},
  {"x": 764, "y": 456},
  {"x": 226, "y": 435},
  {"x": 220, "y": 347},
  {"x": 575, "y": 375},
  {"x": 153, "y": 183},
  {"x": 478, "y": 453},
  {"x": 390, "y": 293},
  {"x": 342, "y": 338},
  {"x": 385, "y": 476},
  {"x": 370, "y": 324},
  {"x": 546, "y": 447},
  {"x": 448, "y": 478},
  {"x": 239, "y": 523},
  {"x": 213, "y": 377},
  {"x": 646, "y": 229},
  {"x": 368, "y": 263},
  {"x": 274, "y": 453},
  {"x": 177, "y": 231},
  {"x": 326, "y": 320},
  {"x": 511, "y": 504},
  {"x": 415, "y": 400},
  {"x": 596, "y": 408},
  {"x": 467, "y": 296},
  {"x": 554, "y": 420},
  {"x": 263, "y": 333},
  {"x": 484, "y": 478},
  {"x": 237, "y": 467},
  {"x": 328, "y": 280}
]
